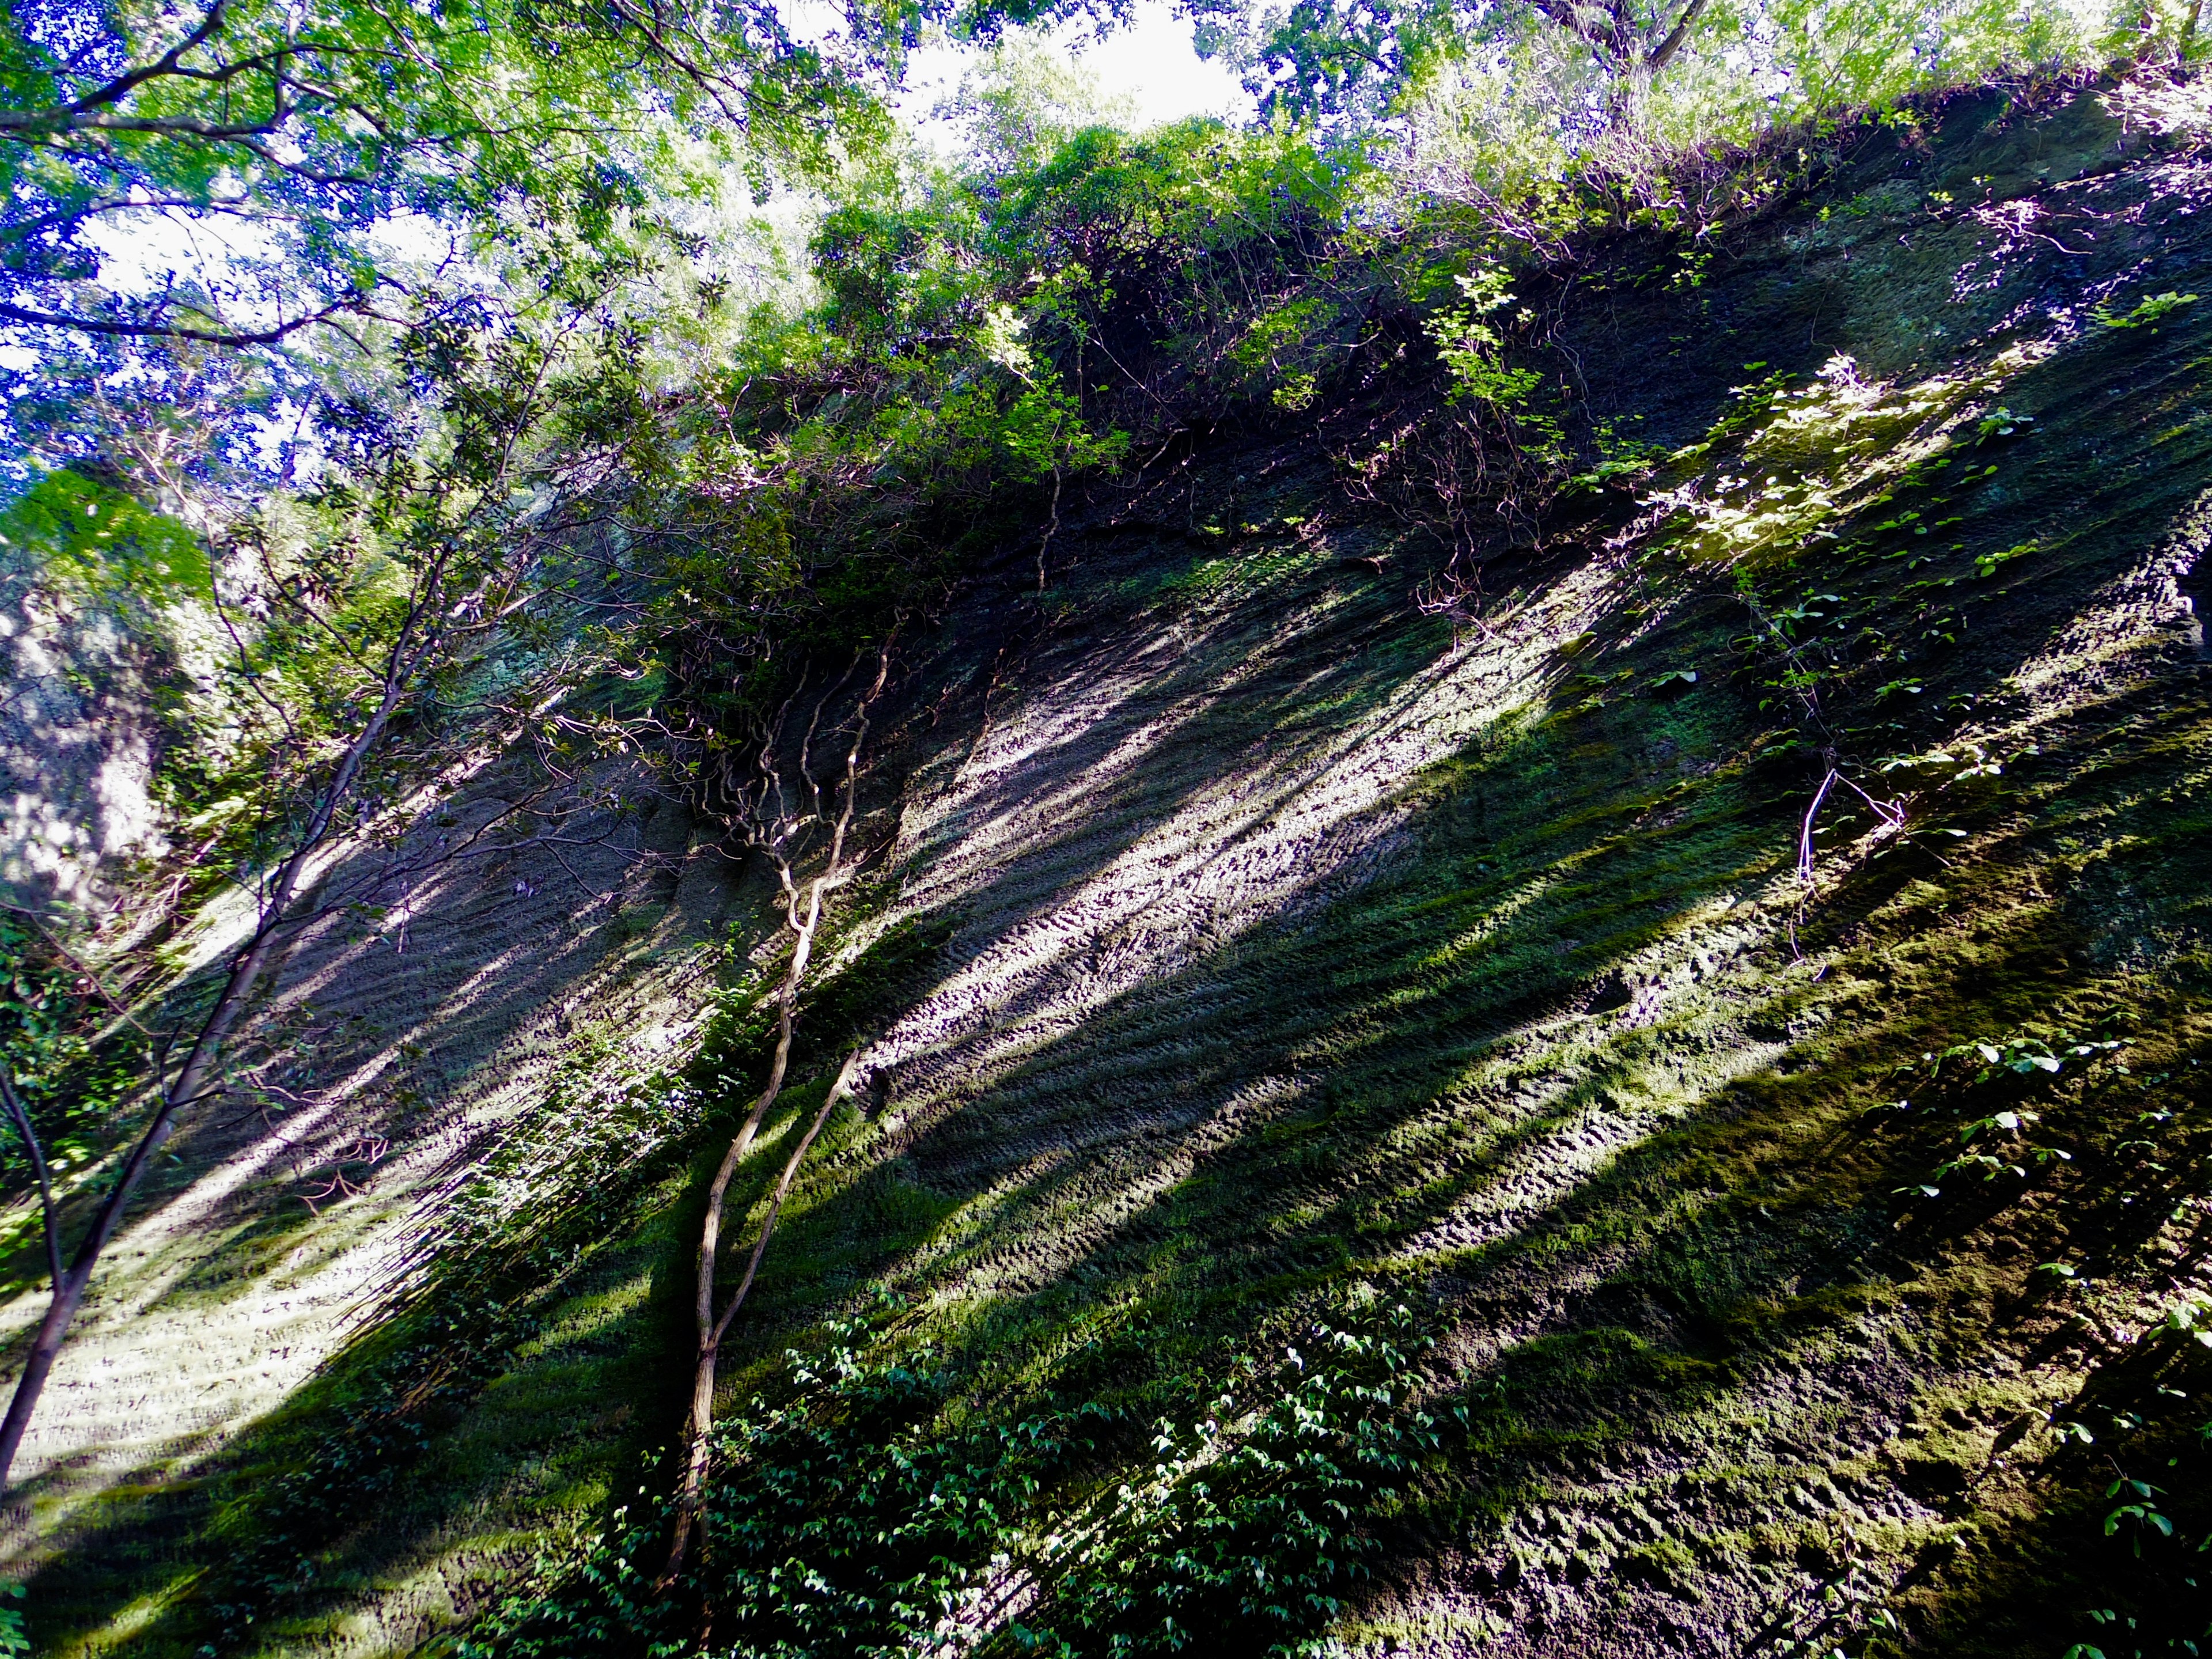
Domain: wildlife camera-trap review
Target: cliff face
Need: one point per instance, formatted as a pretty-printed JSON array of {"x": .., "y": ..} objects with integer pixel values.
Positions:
[
  {"x": 78, "y": 743},
  {"x": 1249, "y": 952}
]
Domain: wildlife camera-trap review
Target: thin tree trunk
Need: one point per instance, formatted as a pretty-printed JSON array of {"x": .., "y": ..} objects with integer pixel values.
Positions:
[
  {"x": 691, "y": 1512},
  {"x": 800, "y": 900},
  {"x": 1051, "y": 529},
  {"x": 700, "y": 1420},
  {"x": 22, "y": 1120},
  {"x": 194, "y": 1082},
  {"x": 838, "y": 1090}
]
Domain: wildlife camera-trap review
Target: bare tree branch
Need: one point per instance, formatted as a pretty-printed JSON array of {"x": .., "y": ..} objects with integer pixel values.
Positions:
[
  {"x": 1666, "y": 49},
  {"x": 159, "y": 331}
]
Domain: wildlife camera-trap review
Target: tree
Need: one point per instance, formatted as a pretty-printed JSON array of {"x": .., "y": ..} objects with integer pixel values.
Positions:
[
  {"x": 1736, "y": 66},
  {"x": 198, "y": 1079},
  {"x": 430, "y": 534},
  {"x": 1020, "y": 100},
  {"x": 783, "y": 824},
  {"x": 299, "y": 135},
  {"x": 1628, "y": 41}
]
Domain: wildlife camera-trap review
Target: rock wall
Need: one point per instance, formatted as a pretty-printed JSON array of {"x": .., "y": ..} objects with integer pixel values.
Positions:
[
  {"x": 1247, "y": 944},
  {"x": 79, "y": 742}
]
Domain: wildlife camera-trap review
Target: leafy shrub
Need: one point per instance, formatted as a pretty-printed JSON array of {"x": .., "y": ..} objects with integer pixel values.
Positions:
[
  {"x": 849, "y": 1520},
  {"x": 1259, "y": 1535},
  {"x": 72, "y": 1080},
  {"x": 865, "y": 1516},
  {"x": 97, "y": 537}
]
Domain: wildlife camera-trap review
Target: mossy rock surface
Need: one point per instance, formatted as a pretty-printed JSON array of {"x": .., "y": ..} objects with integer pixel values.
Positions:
[{"x": 1249, "y": 951}]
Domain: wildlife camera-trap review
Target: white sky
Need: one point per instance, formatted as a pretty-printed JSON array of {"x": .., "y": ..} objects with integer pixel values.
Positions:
[{"x": 1150, "y": 63}]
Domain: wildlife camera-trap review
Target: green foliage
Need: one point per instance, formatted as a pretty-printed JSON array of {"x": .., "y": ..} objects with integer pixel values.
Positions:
[
  {"x": 1473, "y": 349},
  {"x": 1987, "y": 1084},
  {"x": 965, "y": 358},
  {"x": 1988, "y": 564},
  {"x": 1020, "y": 100},
  {"x": 851, "y": 1519},
  {"x": 15, "y": 1626},
  {"x": 310, "y": 125},
  {"x": 1532, "y": 119},
  {"x": 96, "y": 537},
  {"x": 1261, "y": 1528},
  {"x": 1469, "y": 343},
  {"x": 853, "y": 1522},
  {"x": 1276, "y": 350},
  {"x": 2146, "y": 314},
  {"x": 73, "y": 1074},
  {"x": 2001, "y": 423},
  {"x": 858, "y": 1517}
]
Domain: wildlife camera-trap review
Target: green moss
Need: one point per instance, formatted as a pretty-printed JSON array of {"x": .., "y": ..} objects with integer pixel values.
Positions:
[{"x": 1576, "y": 1065}]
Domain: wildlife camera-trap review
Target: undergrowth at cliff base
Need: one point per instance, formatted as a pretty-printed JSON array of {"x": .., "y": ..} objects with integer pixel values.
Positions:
[{"x": 861, "y": 1515}]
